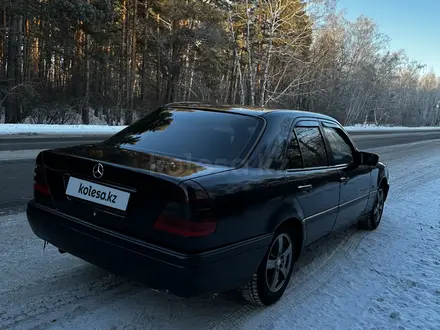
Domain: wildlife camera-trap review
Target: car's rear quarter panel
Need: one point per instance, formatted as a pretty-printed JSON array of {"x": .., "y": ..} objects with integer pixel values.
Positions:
[{"x": 244, "y": 201}]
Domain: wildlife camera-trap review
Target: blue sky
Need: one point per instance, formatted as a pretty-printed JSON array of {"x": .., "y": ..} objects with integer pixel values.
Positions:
[{"x": 411, "y": 24}]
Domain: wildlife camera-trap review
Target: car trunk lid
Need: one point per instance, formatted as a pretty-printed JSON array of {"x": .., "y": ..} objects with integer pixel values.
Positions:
[{"x": 127, "y": 192}]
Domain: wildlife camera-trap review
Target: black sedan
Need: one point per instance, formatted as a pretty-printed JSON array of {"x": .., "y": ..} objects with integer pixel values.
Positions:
[{"x": 196, "y": 199}]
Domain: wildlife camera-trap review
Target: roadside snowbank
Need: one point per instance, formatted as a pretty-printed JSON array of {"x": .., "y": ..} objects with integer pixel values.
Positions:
[
  {"x": 9, "y": 129},
  {"x": 370, "y": 128}
]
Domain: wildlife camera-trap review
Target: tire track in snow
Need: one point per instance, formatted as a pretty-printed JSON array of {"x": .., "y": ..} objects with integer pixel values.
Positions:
[
  {"x": 304, "y": 283},
  {"x": 46, "y": 303},
  {"x": 64, "y": 284}
]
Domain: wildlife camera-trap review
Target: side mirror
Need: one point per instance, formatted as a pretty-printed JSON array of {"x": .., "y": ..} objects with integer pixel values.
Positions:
[{"x": 366, "y": 158}]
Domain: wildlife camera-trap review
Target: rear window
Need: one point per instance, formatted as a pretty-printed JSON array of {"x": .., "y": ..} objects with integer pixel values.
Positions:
[
  {"x": 312, "y": 146},
  {"x": 200, "y": 136}
]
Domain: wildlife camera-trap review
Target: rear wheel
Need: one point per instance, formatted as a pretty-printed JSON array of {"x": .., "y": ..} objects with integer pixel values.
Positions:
[
  {"x": 273, "y": 275},
  {"x": 373, "y": 220}
]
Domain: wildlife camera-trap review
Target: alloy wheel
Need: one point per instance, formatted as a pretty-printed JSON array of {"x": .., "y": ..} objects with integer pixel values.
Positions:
[
  {"x": 279, "y": 262},
  {"x": 378, "y": 209}
]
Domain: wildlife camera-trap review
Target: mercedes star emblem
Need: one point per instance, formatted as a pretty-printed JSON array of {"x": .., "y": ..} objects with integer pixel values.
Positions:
[{"x": 98, "y": 171}]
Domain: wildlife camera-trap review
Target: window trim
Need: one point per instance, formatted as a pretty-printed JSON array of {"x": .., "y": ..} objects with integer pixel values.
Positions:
[
  {"x": 292, "y": 134},
  {"x": 310, "y": 124},
  {"x": 346, "y": 139},
  {"x": 313, "y": 121},
  {"x": 289, "y": 136},
  {"x": 340, "y": 127}
]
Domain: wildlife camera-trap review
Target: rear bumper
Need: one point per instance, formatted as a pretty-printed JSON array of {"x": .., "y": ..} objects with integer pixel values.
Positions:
[{"x": 180, "y": 273}]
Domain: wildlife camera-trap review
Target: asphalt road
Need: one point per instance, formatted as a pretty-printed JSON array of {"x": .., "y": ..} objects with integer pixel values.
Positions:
[
  {"x": 16, "y": 183},
  {"x": 16, "y": 176}
]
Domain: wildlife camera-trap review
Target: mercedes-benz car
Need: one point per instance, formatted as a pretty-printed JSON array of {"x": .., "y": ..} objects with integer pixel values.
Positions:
[{"x": 196, "y": 199}]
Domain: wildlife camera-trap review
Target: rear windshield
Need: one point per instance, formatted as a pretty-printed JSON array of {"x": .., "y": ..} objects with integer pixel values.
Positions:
[{"x": 200, "y": 136}]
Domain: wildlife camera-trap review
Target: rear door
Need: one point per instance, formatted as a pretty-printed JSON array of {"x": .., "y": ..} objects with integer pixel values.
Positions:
[
  {"x": 354, "y": 178},
  {"x": 310, "y": 177}
]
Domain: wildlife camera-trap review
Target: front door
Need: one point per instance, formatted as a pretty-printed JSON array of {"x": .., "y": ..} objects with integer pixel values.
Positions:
[{"x": 354, "y": 179}]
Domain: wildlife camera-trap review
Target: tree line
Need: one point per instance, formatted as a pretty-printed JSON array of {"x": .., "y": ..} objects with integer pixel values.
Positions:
[{"x": 68, "y": 60}]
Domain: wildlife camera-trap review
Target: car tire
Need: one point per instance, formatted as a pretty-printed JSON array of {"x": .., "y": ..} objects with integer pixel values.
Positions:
[
  {"x": 375, "y": 216},
  {"x": 266, "y": 288}
]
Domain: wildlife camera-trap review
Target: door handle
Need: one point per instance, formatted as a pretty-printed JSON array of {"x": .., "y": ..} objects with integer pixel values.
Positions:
[
  {"x": 305, "y": 187},
  {"x": 344, "y": 179}
]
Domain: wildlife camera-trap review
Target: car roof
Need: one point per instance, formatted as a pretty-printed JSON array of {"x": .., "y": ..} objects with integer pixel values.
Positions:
[{"x": 246, "y": 110}]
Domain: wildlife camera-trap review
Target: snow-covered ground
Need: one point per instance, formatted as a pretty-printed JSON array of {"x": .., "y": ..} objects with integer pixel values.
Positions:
[
  {"x": 10, "y": 129},
  {"x": 386, "y": 279}
]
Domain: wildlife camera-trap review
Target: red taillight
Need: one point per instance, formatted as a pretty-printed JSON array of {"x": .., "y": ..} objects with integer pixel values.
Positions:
[
  {"x": 182, "y": 227},
  {"x": 44, "y": 189},
  {"x": 189, "y": 217},
  {"x": 40, "y": 184}
]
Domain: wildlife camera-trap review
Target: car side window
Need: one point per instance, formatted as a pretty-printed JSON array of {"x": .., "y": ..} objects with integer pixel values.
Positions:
[
  {"x": 293, "y": 153},
  {"x": 312, "y": 146},
  {"x": 341, "y": 150}
]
